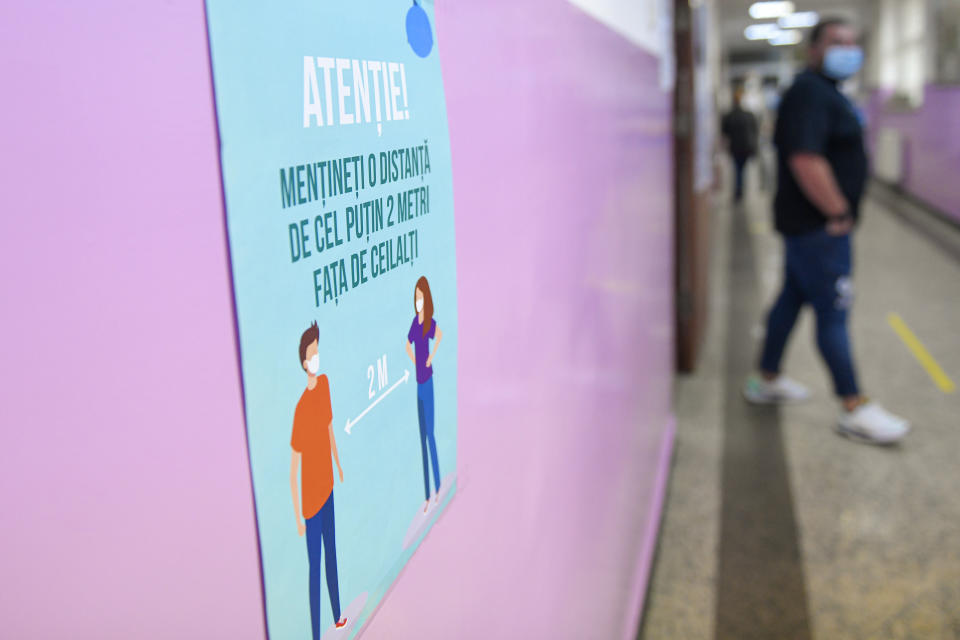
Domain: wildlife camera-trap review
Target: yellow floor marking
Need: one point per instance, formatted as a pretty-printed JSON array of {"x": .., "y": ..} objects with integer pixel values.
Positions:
[
  {"x": 760, "y": 227},
  {"x": 921, "y": 354}
]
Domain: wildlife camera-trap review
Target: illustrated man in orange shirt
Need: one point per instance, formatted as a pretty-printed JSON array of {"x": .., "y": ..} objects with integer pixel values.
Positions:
[{"x": 312, "y": 443}]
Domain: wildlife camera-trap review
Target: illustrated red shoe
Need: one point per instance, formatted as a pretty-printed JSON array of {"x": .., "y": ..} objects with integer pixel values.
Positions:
[{"x": 341, "y": 623}]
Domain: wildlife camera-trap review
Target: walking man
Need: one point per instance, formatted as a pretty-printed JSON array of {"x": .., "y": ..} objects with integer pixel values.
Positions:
[
  {"x": 822, "y": 171},
  {"x": 739, "y": 127}
]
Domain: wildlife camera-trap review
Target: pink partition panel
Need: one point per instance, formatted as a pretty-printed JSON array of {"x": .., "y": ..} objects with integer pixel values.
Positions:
[
  {"x": 126, "y": 499},
  {"x": 561, "y": 150},
  {"x": 931, "y": 138},
  {"x": 124, "y": 479}
]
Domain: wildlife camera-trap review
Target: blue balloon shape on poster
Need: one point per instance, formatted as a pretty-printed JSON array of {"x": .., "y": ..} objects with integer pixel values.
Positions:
[{"x": 419, "y": 34}]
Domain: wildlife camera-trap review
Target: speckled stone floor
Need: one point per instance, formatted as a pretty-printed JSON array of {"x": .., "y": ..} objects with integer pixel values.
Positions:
[{"x": 775, "y": 527}]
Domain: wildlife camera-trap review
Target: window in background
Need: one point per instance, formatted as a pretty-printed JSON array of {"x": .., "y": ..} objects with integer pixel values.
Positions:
[
  {"x": 946, "y": 16},
  {"x": 900, "y": 48},
  {"x": 913, "y": 48}
]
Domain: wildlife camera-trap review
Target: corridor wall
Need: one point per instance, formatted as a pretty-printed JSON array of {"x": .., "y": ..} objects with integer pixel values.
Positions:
[
  {"x": 930, "y": 136},
  {"x": 124, "y": 479}
]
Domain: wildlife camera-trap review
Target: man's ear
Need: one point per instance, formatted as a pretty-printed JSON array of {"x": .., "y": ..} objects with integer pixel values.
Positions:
[{"x": 304, "y": 364}]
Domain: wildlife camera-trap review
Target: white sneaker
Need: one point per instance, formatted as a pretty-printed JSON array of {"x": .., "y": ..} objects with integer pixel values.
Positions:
[
  {"x": 780, "y": 389},
  {"x": 872, "y": 423}
]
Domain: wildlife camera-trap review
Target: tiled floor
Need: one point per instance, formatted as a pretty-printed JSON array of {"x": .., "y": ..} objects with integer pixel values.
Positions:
[{"x": 776, "y": 527}]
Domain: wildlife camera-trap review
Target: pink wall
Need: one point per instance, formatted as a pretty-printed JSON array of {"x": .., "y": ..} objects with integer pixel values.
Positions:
[
  {"x": 931, "y": 137},
  {"x": 123, "y": 470}
]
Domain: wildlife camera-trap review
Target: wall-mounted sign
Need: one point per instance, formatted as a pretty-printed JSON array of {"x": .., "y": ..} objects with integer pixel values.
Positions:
[{"x": 336, "y": 171}]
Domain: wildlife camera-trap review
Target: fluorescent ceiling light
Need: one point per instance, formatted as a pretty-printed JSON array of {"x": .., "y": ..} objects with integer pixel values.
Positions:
[
  {"x": 762, "y": 31},
  {"x": 764, "y": 10},
  {"x": 786, "y": 38},
  {"x": 799, "y": 20}
]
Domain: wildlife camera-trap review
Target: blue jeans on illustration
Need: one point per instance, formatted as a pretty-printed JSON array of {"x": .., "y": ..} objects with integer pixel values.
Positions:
[
  {"x": 425, "y": 413},
  {"x": 817, "y": 271},
  {"x": 321, "y": 535}
]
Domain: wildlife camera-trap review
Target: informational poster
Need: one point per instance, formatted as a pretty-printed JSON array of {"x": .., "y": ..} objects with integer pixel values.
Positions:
[{"x": 336, "y": 171}]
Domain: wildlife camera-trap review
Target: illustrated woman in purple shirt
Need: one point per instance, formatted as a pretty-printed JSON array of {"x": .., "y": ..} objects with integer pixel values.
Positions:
[{"x": 423, "y": 328}]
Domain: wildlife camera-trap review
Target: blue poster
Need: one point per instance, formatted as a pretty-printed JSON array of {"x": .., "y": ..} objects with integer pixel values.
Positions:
[{"x": 336, "y": 171}]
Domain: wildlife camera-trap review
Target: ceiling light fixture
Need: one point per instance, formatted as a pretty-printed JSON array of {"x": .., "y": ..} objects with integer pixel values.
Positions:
[
  {"x": 762, "y": 31},
  {"x": 786, "y": 38},
  {"x": 766, "y": 10},
  {"x": 799, "y": 20}
]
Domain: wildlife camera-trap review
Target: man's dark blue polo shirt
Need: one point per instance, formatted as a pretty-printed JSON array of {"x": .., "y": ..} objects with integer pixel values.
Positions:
[{"x": 815, "y": 117}]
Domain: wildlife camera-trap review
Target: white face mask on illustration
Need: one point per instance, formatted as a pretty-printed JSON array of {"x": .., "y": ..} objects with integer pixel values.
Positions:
[
  {"x": 419, "y": 305},
  {"x": 313, "y": 364}
]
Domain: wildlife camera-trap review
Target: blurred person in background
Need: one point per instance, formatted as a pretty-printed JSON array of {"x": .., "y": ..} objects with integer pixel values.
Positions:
[
  {"x": 822, "y": 170},
  {"x": 740, "y": 128}
]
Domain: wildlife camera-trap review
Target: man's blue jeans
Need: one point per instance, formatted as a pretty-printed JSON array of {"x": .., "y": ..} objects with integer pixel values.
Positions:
[
  {"x": 425, "y": 413},
  {"x": 321, "y": 535},
  {"x": 739, "y": 168},
  {"x": 817, "y": 271}
]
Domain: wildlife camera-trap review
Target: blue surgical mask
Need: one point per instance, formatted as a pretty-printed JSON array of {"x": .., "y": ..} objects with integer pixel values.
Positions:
[{"x": 840, "y": 63}]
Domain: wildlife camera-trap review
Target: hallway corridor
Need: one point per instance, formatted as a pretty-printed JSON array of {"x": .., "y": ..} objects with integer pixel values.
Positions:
[{"x": 775, "y": 526}]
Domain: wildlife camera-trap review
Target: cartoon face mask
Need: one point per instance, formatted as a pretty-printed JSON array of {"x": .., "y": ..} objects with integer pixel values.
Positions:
[
  {"x": 419, "y": 305},
  {"x": 313, "y": 364}
]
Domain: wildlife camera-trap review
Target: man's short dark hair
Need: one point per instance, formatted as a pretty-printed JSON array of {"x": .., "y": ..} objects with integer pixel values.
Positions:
[
  {"x": 818, "y": 29},
  {"x": 311, "y": 335}
]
